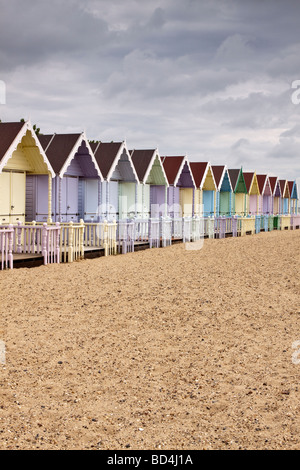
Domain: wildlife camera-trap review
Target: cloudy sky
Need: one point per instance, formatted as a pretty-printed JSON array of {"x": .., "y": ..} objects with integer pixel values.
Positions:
[{"x": 208, "y": 78}]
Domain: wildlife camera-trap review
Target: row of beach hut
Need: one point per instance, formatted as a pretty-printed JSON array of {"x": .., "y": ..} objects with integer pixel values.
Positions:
[{"x": 64, "y": 178}]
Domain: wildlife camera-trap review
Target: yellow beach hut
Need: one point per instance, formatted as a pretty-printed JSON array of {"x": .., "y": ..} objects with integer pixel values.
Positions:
[
  {"x": 21, "y": 154},
  {"x": 253, "y": 193}
]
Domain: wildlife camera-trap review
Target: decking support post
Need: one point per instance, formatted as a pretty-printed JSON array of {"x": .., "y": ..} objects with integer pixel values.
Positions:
[
  {"x": 19, "y": 238},
  {"x": 114, "y": 226},
  {"x": 105, "y": 236},
  {"x": 107, "y": 201},
  {"x": 33, "y": 236},
  {"x": 59, "y": 199},
  {"x": 143, "y": 201},
  {"x": 49, "y": 221},
  {"x": 136, "y": 199},
  {"x": 166, "y": 201},
  {"x": 10, "y": 245},
  {"x": 44, "y": 243},
  {"x": 70, "y": 243},
  {"x": 99, "y": 199},
  {"x": 81, "y": 238},
  {"x": 57, "y": 224}
]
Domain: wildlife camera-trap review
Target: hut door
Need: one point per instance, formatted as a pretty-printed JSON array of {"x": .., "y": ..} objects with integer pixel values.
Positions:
[
  {"x": 71, "y": 199},
  {"x": 41, "y": 198},
  {"x": 113, "y": 205},
  {"x": 91, "y": 200},
  {"x": 208, "y": 203},
  {"x": 266, "y": 208},
  {"x": 239, "y": 204},
  {"x": 224, "y": 203},
  {"x": 18, "y": 191},
  {"x": 12, "y": 197},
  {"x": 5, "y": 198},
  {"x": 157, "y": 199}
]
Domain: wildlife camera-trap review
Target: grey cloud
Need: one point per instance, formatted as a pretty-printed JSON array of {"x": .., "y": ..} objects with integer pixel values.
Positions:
[{"x": 210, "y": 79}]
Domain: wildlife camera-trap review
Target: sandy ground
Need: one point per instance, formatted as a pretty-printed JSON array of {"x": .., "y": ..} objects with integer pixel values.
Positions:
[{"x": 160, "y": 349}]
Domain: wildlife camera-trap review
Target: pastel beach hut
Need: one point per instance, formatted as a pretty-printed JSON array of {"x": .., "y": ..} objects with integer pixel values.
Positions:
[
  {"x": 285, "y": 195},
  {"x": 239, "y": 191},
  {"x": 265, "y": 196},
  {"x": 293, "y": 203},
  {"x": 206, "y": 189},
  {"x": 119, "y": 188},
  {"x": 276, "y": 194},
  {"x": 295, "y": 217},
  {"x": 74, "y": 165},
  {"x": 22, "y": 157},
  {"x": 152, "y": 193},
  {"x": 224, "y": 190},
  {"x": 252, "y": 196},
  {"x": 180, "y": 196}
]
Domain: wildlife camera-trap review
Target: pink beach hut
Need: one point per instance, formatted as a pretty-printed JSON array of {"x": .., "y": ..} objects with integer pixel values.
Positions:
[
  {"x": 276, "y": 195},
  {"x": 285, "y": 195},
  {"x": 265, "y": 197}
]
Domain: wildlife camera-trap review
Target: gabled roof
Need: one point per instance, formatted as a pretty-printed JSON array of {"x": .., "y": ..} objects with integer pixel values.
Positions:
[
  {"x": 274, "y": 183},
  {"x": 219, "y": 172},
  {"x": 294, "y": 190},
  {"x": 11, "y": 135},
  {"x": 144, "y": 160},
  {"x": 174, "y": 167},
  {"x": 108, "y": 155},
  {"x": 262, "y": 181},
  {"x": 251, "y": 181},
  {"x": 237, "y": 180},
  {"x": 200, "y": 171},
  {"x": 62, "y": 148},
  {"x": 284, "y": 188}
]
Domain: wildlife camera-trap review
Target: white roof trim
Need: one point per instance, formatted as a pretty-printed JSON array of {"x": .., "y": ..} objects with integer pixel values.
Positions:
[
  {"x": 264, "y": 188},
  {"x": 225, "y": 169},
  {"x": 81, "y": 138},
  {"x": 184, "y": 161},
  {"x": 275, "y": 187},
  {"x": 116, "y": 161},
  {"x": 26, "y": 127},
  {"x": 208, "y": 166},
  {"x": 155, "y": 154}
]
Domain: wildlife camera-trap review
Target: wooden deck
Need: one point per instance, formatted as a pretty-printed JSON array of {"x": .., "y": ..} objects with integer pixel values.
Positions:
[{"x": 26, "y": 260}]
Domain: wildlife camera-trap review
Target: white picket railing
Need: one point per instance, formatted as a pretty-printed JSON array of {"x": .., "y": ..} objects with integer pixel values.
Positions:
[
  {"x": 154, "y": 233},
  {"x": 36, "y": 239},
  {"x": 141, "y": 230},
  {"x": 6, "y": 245},
  {"x": 166, "y": 231},
  {"x": 125, "y": 236}
]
